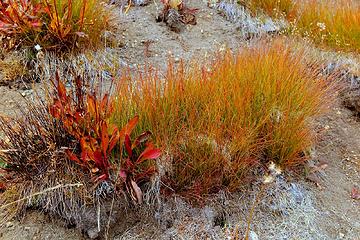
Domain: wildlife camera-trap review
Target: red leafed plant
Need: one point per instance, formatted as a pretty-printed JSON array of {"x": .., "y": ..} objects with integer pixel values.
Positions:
[
  {"x": 54, "y": 24},
  {"x": 135, "y": 168},
  {"x": 20, "y": 16},
  {"x": 87, "y": 119}
]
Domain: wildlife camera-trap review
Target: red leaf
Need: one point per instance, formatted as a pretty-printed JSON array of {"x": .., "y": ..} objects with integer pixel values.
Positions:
[
  {"x": 149, "y": 153},
  {"x": 128, "y": 128},
  {"x": 55, "y": 109},
  {"x": 83, "y": 156},
  {"x": 78, "y": 116},
  {"x": 104, "y": 138},
  {"x": 128, "y": 146},
  {"x": 102, "y": 177},
  {"x": 99, "y": 159},
  {"x": 73, "y": 157},
  {"x": 91, "y": 102},
  {"x": 128, "y": 165},
  {"x": 114, "y": 138},
  {"x": 79, "y": 93}
]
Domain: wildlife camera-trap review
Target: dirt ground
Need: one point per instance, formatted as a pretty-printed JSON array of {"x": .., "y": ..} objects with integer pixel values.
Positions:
[{"x": 319, "y": 206}]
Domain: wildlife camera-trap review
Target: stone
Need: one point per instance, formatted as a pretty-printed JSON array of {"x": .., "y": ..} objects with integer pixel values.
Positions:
[
  {"x": 92, "y": 233},
  {"x": 9, "y": 224}
]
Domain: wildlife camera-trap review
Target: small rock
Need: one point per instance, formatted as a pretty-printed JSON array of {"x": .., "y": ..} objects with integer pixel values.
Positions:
[
  {"x": 27, "y": 93},
  {"x": 341, "y": 235},
  {"x": 177, "y": 60},
  {"x": 9, "y": 224},
  {"x": 92, "y": 233},
  {"x": 27, "y": 228}
]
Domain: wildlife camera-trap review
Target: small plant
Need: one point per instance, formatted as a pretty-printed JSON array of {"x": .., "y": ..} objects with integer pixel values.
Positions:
[
  {"x": 220, "y": 123},
  {"x": 20, "y": 16},
  {"x": 63, "y": 155},
  {"x": 54, "y": 24},
  {"x": 86, "y": 119},
  {"x": 76, "y": 22}
]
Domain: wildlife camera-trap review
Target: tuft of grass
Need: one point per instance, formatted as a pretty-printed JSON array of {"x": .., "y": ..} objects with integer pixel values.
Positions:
[
  {"x": 331, "y": 24},
  {"x": 54, "y": 24},
  {"x": 273, "y": 8},
  {"x": 77, "y": 22},
  {"x": 218, "y": 124}
]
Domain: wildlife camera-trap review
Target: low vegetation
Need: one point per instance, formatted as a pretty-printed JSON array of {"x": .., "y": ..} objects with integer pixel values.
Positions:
[
  {"x": 220, "y": 123},
  {"x": 330, "y": 24},
  {"x": 70, "y": 139},
  {"x": 53, "y": 24},
  {"x": 273, "y": 8},
  {"x": 333, "y": 24},
  {"x": 193, "y": 130}
]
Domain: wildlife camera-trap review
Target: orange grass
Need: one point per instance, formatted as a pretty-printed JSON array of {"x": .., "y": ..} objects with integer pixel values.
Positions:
[
  {"x": 274, "y": 8},
  {"x": 333, "y": 24},
  {"x": 219, "y": 124}
]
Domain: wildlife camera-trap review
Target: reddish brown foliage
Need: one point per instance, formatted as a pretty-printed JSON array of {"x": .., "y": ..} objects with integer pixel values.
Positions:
[{"x": 87, "y": 119}]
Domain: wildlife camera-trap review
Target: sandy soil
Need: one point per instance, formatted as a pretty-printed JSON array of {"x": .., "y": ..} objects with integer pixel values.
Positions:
[{"x": 295, "y": 207}]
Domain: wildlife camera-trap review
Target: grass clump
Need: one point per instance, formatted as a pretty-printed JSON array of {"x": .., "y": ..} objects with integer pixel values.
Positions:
[
  {"x": 273, "y": 8},
  {"x": 333, "y": 24},
  {"x": 54, "y": 24},
  {"x": 219, "y": 124}
]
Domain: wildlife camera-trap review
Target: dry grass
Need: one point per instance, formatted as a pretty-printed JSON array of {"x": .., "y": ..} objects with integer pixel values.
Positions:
[
  {"x": 334, "y": 24},
  {"x": 274, "y": 8},
  {"x": 219, "y": 123},
  {"x": 33, "y": 149}
]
